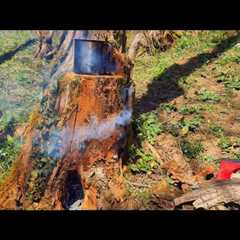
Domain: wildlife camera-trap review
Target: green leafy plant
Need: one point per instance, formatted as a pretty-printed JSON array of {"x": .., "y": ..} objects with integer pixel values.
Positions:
[
  {"x": 191, "y": 149},
  {"x": 8, "y": 152},
  {"x": 228, "y": 58},
  {"x": 186, "y": 110},
  {"x": 216, "y": 130},
  {"x": 208, "y": 96},
  {"x": 168, "y": 107},
  {"x": 225, "y": 143},
  {"x": 190, "y": 124},
  {"x": 145, "y": 163},
  {"x": 148, "y": 127},
  {"x": 231, "y": 82}
]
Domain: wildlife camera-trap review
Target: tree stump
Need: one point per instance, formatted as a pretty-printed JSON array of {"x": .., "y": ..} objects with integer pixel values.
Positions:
[{"x": 74, "y": 144}]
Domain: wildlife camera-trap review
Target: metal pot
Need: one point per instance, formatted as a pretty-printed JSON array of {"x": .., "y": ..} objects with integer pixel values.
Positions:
[{"x": 93, "y": 57}]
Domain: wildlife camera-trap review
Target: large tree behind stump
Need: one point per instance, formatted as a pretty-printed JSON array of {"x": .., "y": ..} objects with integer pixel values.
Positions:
[{"x": 74, "y": 143}]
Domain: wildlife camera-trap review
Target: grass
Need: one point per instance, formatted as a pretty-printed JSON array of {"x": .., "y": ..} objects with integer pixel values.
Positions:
[
  {"x": 21, "y": 76},
  {"x": 203, "y": 92},
  {"x": 21, "y": 80}
]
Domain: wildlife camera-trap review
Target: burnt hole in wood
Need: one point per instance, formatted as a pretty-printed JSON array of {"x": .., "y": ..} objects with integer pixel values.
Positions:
[{"x": 73, "y": 192}]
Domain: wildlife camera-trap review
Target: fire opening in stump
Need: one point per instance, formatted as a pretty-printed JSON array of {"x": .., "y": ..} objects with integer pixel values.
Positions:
[{"x": 73, "y": 193}]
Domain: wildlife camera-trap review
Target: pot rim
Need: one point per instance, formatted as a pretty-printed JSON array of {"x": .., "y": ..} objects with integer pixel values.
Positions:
[{"x": 89, "y": 40}]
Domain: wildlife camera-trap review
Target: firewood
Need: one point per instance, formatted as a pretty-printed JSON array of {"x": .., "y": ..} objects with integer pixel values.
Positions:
[{"x": 215, "y": 193}]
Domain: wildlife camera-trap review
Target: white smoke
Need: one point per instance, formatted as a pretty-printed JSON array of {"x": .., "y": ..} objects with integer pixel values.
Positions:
[
  {"x": 61, "y": 141},
  {"x": 95, "y": 130}
]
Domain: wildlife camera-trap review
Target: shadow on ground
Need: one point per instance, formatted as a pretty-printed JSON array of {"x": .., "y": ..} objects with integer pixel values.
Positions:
[
  {"x": 165, "y": 87},
  {"x": 7, "y": 56}
]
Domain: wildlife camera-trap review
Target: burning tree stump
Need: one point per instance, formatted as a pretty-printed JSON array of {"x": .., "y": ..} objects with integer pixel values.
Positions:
[{"x": 74, "y": 144}]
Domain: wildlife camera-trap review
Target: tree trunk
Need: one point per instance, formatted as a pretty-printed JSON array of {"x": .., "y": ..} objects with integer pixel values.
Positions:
[
  {"x": 75, "y": 141},
  {"x": 45, "y": 43}
]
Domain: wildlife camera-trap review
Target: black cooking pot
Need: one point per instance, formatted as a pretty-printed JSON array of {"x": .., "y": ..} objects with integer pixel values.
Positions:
[{"x": 93, "y": 57}]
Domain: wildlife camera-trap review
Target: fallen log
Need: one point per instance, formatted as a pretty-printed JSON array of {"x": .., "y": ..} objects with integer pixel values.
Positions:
[{"x": 212, "y": 194}]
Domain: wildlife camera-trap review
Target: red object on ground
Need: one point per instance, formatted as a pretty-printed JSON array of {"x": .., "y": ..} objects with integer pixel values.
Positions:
[{"x": 227, "y": 167}]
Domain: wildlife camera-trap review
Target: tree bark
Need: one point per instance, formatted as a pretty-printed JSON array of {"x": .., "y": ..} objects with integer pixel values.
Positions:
[{"x": 45, "y": 43}]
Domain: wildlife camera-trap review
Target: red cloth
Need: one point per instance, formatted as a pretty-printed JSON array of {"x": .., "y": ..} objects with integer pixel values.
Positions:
[{"x": 227, "y": 167}]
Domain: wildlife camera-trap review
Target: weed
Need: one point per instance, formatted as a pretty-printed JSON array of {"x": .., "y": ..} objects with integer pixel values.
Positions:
[
  {"x": 8, "y": 151},
  {"x": 216, "y": 130},
  {"x": 208, "y": 96},
  {"x": 148, "y": 127},
  {"x": 145, "y": 162},
  {"x": 229, "y": 58},
  {"x": 184, "y": 83},
  {"x": 168, "y": 107},
  {"x": 191, "y": 150},
  {"x": 231, "y": 82},
  {"x": 190, "y": 124},
  {"x": 225, "y": 143},
  {"x": 186, "y": 110}
]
